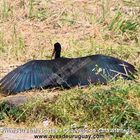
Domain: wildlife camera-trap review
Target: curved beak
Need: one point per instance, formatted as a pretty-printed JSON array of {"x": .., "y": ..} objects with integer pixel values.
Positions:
[{"x": 53, "y": 54}]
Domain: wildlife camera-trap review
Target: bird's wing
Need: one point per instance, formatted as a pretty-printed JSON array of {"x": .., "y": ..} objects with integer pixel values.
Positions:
[
  {"x": 110, "y": 67},
  {"x": 33, "y": 74}
]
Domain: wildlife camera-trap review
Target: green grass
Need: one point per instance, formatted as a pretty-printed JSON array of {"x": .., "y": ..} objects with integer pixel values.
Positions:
[
  {"x": 2, "y": 44},
  {"x": 94, "y": 107},
  {"x": 6, "y": 11}
]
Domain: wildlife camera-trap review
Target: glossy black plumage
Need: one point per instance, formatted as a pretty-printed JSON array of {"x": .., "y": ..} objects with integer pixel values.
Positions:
[{"x": 66, "y": 72}]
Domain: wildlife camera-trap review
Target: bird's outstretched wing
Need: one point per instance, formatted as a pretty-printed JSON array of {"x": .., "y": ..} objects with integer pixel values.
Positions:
[
  {"x": 33, "y": 74},
  {"x": 76, "y": 71},
  {"x": 96, "y": 69},
  {"x": 109, "y": 68}
]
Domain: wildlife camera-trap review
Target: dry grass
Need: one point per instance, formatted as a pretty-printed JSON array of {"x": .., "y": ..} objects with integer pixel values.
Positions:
[{"x": 28, "y": 30}]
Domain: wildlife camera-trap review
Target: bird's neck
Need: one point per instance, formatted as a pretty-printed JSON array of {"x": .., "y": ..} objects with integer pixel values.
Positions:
[{"x": 57, "y": 54}]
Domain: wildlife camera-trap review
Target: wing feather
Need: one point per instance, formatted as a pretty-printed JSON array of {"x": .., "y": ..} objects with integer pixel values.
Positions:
[
  {"x": 30, "y": 75},
  {"x": 115, "y": 67}
]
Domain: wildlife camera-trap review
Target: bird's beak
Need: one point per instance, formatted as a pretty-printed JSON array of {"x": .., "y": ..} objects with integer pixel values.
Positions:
[{"x": 53, "y": 54}]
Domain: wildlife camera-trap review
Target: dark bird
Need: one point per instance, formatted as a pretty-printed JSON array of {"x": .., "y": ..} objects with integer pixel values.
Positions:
[{"x": 66, "y": 72}]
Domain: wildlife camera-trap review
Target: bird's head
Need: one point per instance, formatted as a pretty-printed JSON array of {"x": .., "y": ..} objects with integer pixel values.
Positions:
[{"x": 57, "y": 50}]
